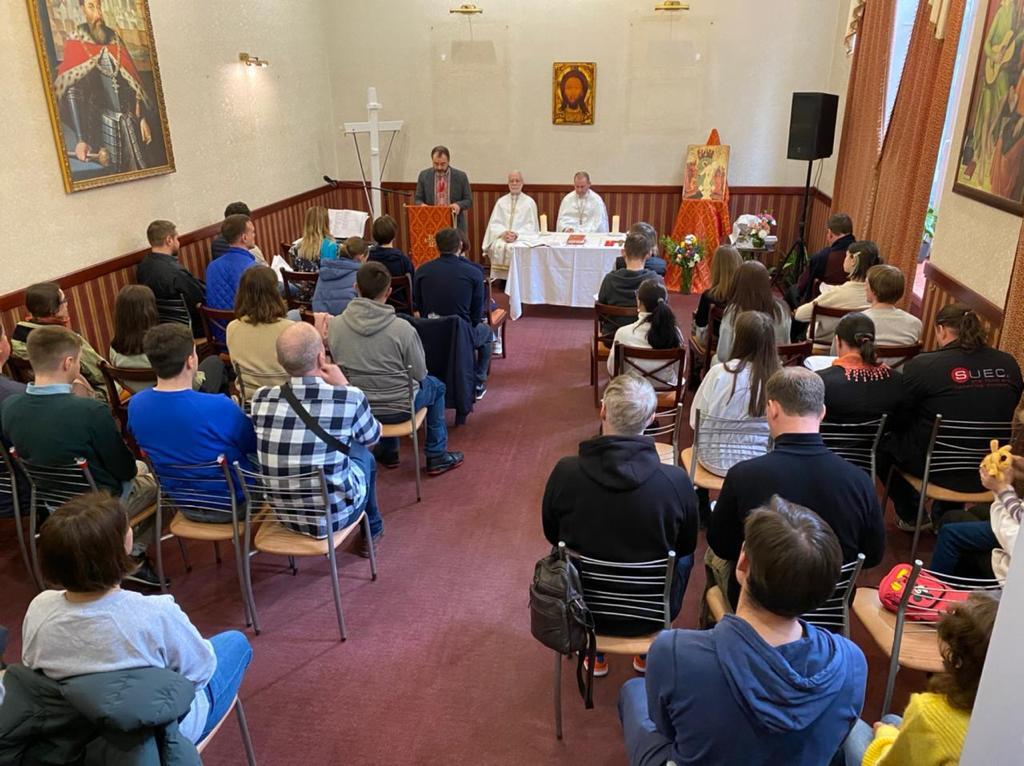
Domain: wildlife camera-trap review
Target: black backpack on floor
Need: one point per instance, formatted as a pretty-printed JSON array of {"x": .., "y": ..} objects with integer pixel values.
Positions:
[{"x": 560, "y": 619}]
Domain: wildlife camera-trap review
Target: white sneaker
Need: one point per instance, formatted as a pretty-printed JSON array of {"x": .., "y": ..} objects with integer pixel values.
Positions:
[{"x": 497, "y": 347}]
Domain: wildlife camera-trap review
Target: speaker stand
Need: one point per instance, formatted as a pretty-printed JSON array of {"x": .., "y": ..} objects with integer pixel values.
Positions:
[{"x": 797, "y": 252}]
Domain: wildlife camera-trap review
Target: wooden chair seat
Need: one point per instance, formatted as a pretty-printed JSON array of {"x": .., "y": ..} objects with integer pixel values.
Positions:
[
  {"x": 143, "y": 515},
  {"x": 396, "y": 430},
  {"x": 622, "y": 645},
  {"x": 703, "y": 478},
  {"x": 273, "y": 537},
  {"x": 666, "y": 400},
  {"x": 665, "y": 452},
  {"x": 498, "y": 317},
  {"x": 206, "y": 531},
  {"x": 603, "y": 350},
  {"x": 919, "y": 649},
  {"x": 935, "y": 492},
  {"x": 201, "y": 745},
  {"x": 718, "y": 607}
]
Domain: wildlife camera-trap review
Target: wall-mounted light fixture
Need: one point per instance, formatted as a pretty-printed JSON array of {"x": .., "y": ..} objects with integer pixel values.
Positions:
[
  {"x": 672, "y": 5},
  {"x": 468, "y": 9},
  {"x": 248, "y": 60}
]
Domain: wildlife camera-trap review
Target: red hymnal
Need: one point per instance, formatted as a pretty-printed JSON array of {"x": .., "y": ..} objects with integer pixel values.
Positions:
[{"x": 576, "y": 239}]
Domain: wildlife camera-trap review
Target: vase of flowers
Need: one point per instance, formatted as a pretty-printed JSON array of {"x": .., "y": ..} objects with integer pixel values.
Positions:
[
  {"x": 685, "y": 254},
  {"x": 759, "y": 231}
]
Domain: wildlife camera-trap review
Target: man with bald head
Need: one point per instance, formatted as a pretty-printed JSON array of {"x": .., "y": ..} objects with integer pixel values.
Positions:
[
  {"x": 344, "y": 430},
  {"x": 514, "y": 214},
  {"x": 582, "y": 209}
]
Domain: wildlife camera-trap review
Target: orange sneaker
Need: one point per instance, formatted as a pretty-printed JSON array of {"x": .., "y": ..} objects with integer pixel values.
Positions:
[
  {"x": 640, "y": 663},
  {"x": 600, "y": 665}
]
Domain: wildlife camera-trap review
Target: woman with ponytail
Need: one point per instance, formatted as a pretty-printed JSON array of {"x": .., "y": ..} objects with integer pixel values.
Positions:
[
  {"x": 858, "y": 387},
  {"x": 963, "y": 379},
  {"x": 655, "y": 327}
]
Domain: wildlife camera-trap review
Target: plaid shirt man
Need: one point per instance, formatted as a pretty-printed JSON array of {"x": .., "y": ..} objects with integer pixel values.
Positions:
[{"x": 286, "y": 446}]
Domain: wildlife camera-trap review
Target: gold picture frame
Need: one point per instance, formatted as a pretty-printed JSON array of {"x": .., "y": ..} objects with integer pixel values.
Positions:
[
  {"x": 706, "y": 173},
  {"x": 102, "y": 81},
  {"x": 573, "y": 92}
]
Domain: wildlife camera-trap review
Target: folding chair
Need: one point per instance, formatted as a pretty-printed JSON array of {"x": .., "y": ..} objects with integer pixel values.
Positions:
[
  {"x": 821, "y": 346},
  {"x": 600, "y": 344},
  {"x": 793, "y": 354},
  {"x": 205, "y": 490},
  {"x": 9, "y": 486},
  {"x": 910, "y": 643},
  {"x": 243, "y": 728},
  {"x": 897, "y": 356},
  {"x": 218, "y": 319},
  {"x": 409, "y": 426},
  {"x": 721, "y": 443},
  {"x": 856, "y": 443},
  {"x": 297, "y": 284},
  {"x": 833, "y": 615},
  {"x": 301, "y": 499},
  {"x": 954, "y": 447},
  {"x": 401, "y": 294},
  {"x": 120, "y": 379},
  {"x": 640, "y": 591}
]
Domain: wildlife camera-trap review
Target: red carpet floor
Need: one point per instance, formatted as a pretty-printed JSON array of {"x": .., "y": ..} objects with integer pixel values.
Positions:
[{"x": 439, "y": 666}]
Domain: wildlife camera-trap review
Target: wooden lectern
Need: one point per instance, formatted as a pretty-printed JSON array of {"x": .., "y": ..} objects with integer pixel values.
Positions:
[{"x": 424, "y": 222}]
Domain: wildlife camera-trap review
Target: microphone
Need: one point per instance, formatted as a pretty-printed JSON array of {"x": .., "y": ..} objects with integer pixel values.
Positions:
[{"x": 331, "y": 181}]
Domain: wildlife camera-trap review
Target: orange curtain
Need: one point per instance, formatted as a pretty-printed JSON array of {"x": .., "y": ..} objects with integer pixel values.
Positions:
[
  {"x": 861, "y": 142},
  {"x": 424, "y": 222},
  {"x": 911, "y": 146}
]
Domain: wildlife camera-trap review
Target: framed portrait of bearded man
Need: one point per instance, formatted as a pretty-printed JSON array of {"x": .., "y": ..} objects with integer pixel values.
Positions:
[
  {"x": 102, "y": 83},
  {"x": 573, "y": 86}
]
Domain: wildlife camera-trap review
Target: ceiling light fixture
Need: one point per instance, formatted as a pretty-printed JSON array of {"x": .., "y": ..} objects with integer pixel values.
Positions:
[
  {"x": 467, "y": 9},
  {"x": 672, "y": 5},
  {"x": 256, "y": 61}
]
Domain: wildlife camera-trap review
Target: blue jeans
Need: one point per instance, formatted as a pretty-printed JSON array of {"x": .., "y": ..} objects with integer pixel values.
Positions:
[
  {"x": 362, "y": 457},
  {"x": 483, "y": 339},
  {"x": 233, "y": 656},
  {"x": 959, "y": 540},
  {"x": 431, "y": 395},
  {"x": 861, "y": 737},
  {"x": 645, "y": 745}
]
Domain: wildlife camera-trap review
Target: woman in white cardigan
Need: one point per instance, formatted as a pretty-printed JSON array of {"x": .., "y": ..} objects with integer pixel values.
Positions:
[{"x": 851, "y": 295}]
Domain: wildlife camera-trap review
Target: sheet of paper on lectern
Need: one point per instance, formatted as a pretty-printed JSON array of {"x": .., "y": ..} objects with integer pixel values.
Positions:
[{"x": 347, "y": 223}]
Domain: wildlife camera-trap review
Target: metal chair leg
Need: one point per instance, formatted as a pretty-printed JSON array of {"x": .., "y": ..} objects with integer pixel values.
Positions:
[
  {"x": 243, "y": 728},
  {"x": 293, "y": 566},
  {"x": 336, "y": 588},
  {"x": 216, "y": 551},
  {"x": 558, "y": 695},
  {"x": 921, "y": 500},
  {"x": 37, "y": 573},
  {"x": 241, "y": 583},
  {"x": 369, "y": 545},
  {"x": 183, "y": 547},
  {"x": 249, "y": 594},
  {"x": 23, "y": 547},
  {"x": 416, "y": 454}
]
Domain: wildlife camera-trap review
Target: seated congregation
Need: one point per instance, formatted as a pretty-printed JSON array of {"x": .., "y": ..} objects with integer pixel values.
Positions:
[{"x": 223, "y": 399}]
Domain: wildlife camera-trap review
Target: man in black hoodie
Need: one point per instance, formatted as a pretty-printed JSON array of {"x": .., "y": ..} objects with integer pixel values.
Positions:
[{"x": 617, "y": 501}]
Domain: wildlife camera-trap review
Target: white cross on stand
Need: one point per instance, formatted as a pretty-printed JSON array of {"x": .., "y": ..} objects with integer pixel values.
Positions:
[{"x": 373, "y": 126}]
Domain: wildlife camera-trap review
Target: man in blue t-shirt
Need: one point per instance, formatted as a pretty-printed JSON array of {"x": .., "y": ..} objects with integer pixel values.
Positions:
[
  {"x": 452, "y": 286},
  {"x": 178, "y": 426},
  {"x": 764, "y": 686}
]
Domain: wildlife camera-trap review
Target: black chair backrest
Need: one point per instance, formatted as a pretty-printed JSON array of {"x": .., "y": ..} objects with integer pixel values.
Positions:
[{"x": 297, "y": 286}]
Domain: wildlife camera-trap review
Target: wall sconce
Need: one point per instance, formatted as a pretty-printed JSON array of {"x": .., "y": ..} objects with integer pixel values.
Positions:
[
  {"x": 256, "y": 61},
  {"x": 467, "y": 9},
  {"x": 672, "y": 5}
]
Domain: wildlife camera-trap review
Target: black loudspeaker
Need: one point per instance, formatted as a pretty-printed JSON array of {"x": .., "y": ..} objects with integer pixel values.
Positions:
[{"x": 812, "y": 126}]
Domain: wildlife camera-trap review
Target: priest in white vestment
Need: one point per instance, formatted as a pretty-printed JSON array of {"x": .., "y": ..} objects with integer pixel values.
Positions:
[
  {"x": 514, "y": 214},
  {"x": 582, "y": 210}
]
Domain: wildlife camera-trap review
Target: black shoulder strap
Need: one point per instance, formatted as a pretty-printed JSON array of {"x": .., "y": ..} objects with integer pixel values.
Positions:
[{"x": 331, "y": 441}]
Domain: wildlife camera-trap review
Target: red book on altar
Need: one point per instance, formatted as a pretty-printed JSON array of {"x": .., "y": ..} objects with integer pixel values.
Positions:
[
  {"x": 424, "y": 222},
  {"x": 576, "y": 239}
]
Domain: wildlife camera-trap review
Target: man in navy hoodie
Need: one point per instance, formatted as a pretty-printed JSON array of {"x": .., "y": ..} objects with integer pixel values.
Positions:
[{"x": 763, "y": 687}]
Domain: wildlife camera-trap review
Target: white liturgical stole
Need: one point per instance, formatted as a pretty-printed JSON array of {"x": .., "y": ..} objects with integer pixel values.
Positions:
[
  {"x": 513, "y": 212},
  {"x": 584, "y": 214}
]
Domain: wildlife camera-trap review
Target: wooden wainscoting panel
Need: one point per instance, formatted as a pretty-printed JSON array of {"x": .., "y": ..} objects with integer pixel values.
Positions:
[{"x": 941, "y": 290}]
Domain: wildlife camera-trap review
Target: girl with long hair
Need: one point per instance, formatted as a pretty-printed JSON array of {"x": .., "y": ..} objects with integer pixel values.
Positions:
[
  {"x": 260, "y": 313},
  {"x": 724, "y": 265},
  {"x": 736, "y": 390},
  {"x": 858, "y": 387},
  {"x": 316, "y": 244},
  {"x": 752, "y": 291},
  {"x": 655, "y": 327},
  {"x": 852, "y": 294}
]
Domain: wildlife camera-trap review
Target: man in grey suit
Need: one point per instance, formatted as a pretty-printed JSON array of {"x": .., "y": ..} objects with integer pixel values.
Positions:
[{"x": 444, "y": 185}]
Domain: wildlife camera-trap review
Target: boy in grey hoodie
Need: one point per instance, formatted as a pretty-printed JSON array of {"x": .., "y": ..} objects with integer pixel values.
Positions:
[
  {"x": 375, "y": 349},
  {"x": 764, "y": 687}
]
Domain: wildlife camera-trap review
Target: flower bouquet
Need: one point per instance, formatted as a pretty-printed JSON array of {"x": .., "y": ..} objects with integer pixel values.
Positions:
[
  {"x": 685, "y": 254},
  {"x": 759, "y": 231}
]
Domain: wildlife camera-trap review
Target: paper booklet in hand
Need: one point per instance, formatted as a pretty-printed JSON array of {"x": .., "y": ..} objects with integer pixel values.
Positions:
[{"x": 347, "y": 223}]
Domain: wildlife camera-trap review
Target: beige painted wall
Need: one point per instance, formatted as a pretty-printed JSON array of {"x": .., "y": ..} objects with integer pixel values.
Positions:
[
  {"x": 237, "y": 133},
  {"x": 974, "y": 243},
  {"x": 838, "y": 79},
  {"x": 483, "y": 87}
]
